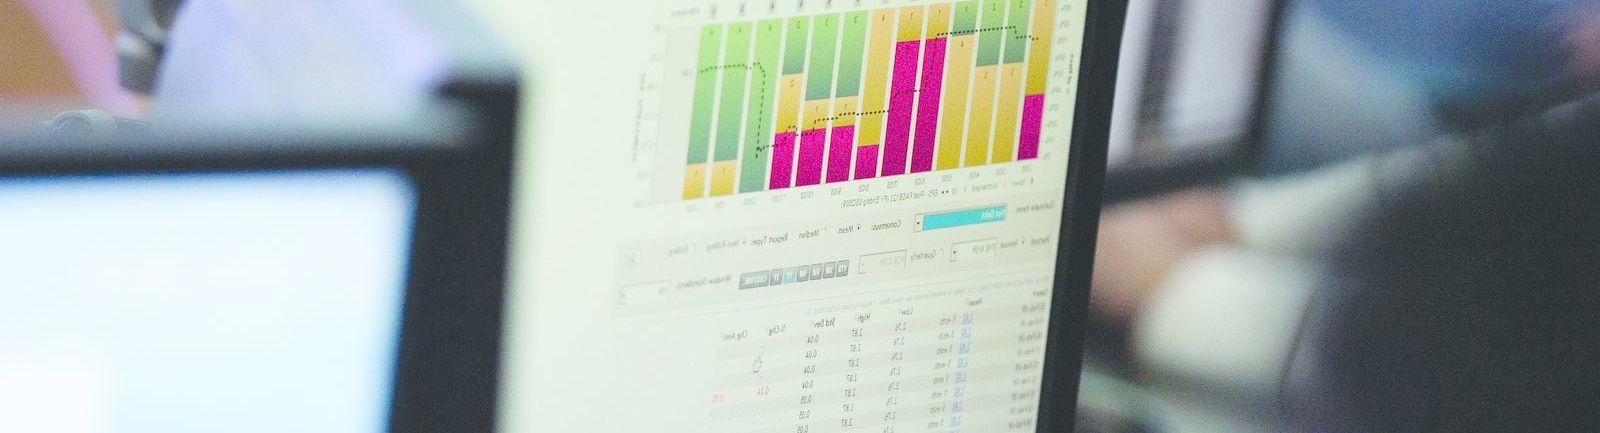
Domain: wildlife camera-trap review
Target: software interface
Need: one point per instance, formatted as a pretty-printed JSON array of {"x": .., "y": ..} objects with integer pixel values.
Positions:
[
  {"x": 242, "y": 302},
  {"x": 837, "y": 216}
]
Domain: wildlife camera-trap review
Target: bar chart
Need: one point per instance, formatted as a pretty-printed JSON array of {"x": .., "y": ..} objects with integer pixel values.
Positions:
[{"x": 823, "y": 98}]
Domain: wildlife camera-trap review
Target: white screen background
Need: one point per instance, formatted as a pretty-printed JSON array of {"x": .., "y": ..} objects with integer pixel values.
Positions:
[{"x": 243, "y": 302}]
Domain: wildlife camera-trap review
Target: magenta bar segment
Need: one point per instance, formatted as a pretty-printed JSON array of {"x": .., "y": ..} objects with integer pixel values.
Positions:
[
  {"x": 867, "y": 162},
  {"x": 782, "y": 160},
  {"x": 844, "y": 139},
  {"x": 902, "y": 97},
  {"x": 928, "y": 105},
  {"x": 810, "y": 165},
  {"x": 1032, "y": 120}
]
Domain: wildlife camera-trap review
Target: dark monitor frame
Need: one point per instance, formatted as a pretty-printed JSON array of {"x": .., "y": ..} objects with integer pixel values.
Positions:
[
  {"x": 1086, "y": 168},
  {"x": 1225, "y": 161},
  {"x": 448, "y": 362},
  {"x": 448, "y": 359}
]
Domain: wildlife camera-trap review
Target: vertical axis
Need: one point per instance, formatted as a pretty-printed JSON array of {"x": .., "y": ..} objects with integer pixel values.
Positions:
[
  {"x": 903, "y": 91},
  {"x": 1038, "y": 72},
  {"x": 819, "y": 95},
  {"x": 983, "y": 83},
  {"x": 963, "y": 42},
  {"x": 846, "y": 106},
  {"x": 932, "y": 84},
  {"x": 730, "y": 110},
  {"x": 873, "y": 103},
  {"x": 781, "y": 174},
  {"x": 763, "y": 85},
  {"x": 1011, "y": 77},
  {"x": 705, "y": 89}
]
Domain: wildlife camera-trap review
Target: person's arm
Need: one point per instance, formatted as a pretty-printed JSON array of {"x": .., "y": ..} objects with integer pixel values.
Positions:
[{"x": 1228, "y": 313}]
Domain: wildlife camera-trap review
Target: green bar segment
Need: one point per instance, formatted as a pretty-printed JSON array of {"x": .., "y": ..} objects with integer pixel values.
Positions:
[
  {"x": 735, "y": 73},
  {"x": 763, "y": 96},
  {"x": 989, "y": 33},
  {"x": 705, "y": 93},
  {"x": 1017, "y": 32},
  {"x": 824, "y": 44},
  {"x": 794, "y": 58},
  {"x": 966, "y": 20},
  {"x": 855, "y": 41}
]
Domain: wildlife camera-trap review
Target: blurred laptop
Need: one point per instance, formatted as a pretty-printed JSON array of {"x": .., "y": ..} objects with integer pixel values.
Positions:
[
  {"x": 310, "y": 238},
  {"x": 1190, "y": 93}
]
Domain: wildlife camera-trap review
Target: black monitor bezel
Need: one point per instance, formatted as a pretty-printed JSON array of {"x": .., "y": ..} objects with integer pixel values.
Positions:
[
  {"x": 1086, "y": 168},
  {"x": 447, "y": 369}
]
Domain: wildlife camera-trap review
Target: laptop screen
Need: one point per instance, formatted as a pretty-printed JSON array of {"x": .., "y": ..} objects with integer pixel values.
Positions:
[
  {"x": 1189, "y": 81},
  {"x": 792, "y": 216},
  {"x": 222, "y": 301}
]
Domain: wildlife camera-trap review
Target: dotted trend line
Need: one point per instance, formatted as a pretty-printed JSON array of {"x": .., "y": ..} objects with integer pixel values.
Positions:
[
  {"x": 816, "y": 122},
  {"x": 1030, "y": 37},
  {"x": 761, "y": 83},
  {"x": 975, "y": 31}
]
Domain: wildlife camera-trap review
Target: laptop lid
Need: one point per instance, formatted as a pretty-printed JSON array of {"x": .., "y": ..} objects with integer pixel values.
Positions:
[
  {"x": 286, "y": 249},
  {"x": 805, "y": 216}
]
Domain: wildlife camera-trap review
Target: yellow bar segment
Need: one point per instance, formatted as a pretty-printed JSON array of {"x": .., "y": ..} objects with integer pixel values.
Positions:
[
  {"x": 911, "y": 14},
  {"x": 958, "y": 64},
  {"x": 844, "y": 111},
  {"x": 1006, "y": 113},
  {"x": 978, "y": 133},
  {"x": 874, "y": 98},
  {"x": 938, "y": 21},
  {"x": 1044, "y": 17},
  {"x": 816, "y": 114},
  {"x": 722, "y": 176},
  {"x": 694, "y": 181},
  {"x": 789, "y": 87}
]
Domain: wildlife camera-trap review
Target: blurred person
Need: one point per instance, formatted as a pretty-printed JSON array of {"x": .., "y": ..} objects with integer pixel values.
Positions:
[
  {"x": 59, "y": 55},
  {"x": 1467, "y": 304},
  {"x": 1212, "y": 283}
]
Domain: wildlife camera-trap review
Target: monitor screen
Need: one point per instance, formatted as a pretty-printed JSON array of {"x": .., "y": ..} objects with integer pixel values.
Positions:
[
  {"x": 790, "y": 216},
  {"x": 245, "y": 302}
]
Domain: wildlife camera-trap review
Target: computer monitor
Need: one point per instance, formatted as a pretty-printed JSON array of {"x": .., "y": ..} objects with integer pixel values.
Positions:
[
  {"x": 806, "y": 216},
  {"x": 258, "y": 280}
]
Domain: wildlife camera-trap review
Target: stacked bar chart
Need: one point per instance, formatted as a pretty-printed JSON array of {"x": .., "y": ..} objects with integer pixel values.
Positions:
[{"x": 837, "y": 97}]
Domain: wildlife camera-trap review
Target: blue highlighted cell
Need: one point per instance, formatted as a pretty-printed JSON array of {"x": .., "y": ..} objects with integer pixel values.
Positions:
[{"x": 964, "y": 217}]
